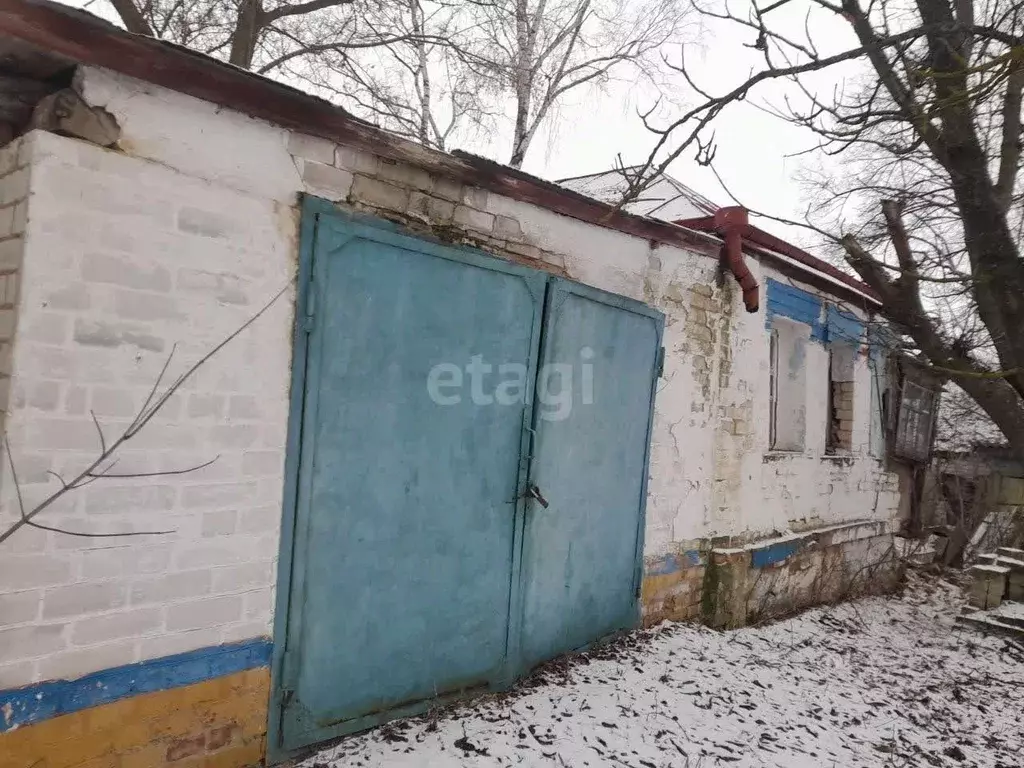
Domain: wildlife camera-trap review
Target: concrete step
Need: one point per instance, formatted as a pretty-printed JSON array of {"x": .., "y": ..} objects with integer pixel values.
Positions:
[
  {"x": 988, "y": 585},
  {"x": 1009, "y": 612},
  {"x": 983, "y": 620},
  {"x": 997, "y": 558},
  {"x": 1013, "y": 621}
]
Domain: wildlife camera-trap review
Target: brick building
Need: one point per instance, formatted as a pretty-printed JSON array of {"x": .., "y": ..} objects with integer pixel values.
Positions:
[{"x": 724, "y": 458}]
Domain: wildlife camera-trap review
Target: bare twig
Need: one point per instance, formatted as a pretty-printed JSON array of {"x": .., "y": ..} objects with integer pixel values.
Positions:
[{"x": 93, "y": 472}]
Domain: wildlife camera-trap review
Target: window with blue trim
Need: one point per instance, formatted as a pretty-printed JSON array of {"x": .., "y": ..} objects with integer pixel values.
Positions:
[
  {"x": 787, "y": 343},
  {"x": 841, "y": 332}
]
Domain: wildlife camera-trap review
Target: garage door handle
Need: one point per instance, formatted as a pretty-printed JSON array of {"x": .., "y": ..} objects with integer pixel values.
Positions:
[{"x": 533, "y": 492}]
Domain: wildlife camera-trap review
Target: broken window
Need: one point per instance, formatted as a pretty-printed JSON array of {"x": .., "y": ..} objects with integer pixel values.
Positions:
[
  {"x": 916, "y": 420},
  {"x": 788, "y": 384},
  {"x": 839, "y": 419}
]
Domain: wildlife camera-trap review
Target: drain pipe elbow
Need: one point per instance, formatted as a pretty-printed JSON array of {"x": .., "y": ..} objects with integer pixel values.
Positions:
[{"x": 733, "y": 223}]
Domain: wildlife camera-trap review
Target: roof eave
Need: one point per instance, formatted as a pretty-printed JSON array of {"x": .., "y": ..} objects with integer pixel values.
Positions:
[{"x": 82, "y": 38}]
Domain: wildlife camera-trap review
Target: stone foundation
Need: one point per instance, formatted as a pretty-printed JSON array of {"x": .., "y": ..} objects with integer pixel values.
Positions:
[{"x": 733, "y": 587}]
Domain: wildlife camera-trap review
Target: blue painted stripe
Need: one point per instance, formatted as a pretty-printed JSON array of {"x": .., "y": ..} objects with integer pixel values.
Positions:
[
  {"x": 690, "y": 558},
  {"x": 844, "y": 327},
  {"x": 40, "y": 701},
  {"x": 775, "y": 553},
  {"x": 796, "y": 304},
  {"x": 674, "y": 563}
]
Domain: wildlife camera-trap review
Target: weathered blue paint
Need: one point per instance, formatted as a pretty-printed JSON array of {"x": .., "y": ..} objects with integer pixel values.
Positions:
[
  {"x": 407, "y": 509},
  {"x": 691, "y": 557},
  {"x": 665, "y": 565},
  {"x": 582, "y": 552},
  {"x": 40, "y": 701},
  {"x": 843, "y": 327},
  {"x": 674, "y": 562},
  {"x": 312, "y": 209},
  {"x": 775, "y": 553},
  {"x": 403, "y": 573},
  {"x": 832, "y": 325},
  {"x": 796, "y": 304}
]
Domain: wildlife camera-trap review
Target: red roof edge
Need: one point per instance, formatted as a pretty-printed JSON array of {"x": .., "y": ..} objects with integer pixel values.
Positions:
[{"x": 758, "y": 237}]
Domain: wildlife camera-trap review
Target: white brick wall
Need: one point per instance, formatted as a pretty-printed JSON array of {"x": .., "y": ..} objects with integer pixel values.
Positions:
[
  {"x": 14, "y": 181},
  {"x": 180, "y": 239},
  {"x": 126, "y": 260}
]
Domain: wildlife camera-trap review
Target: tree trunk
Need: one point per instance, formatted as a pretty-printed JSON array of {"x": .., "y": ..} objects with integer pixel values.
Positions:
[
  {"x": 998, "y": 279},
  {"x": 247, "y": 32},
  {"x": 132, "y": 17},
  {"x": 523, "y": 80}
]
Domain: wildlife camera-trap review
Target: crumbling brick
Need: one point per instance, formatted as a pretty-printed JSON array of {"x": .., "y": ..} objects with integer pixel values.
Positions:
[
  {"x": 473, "y": 219},
  {"x": 67, "y": 113},
  {"x": 187, "y": 747},
  {"x": 506, "y": 227},
  {"x": 380, "y": 193},
  {"x": 434, "y": 209}
]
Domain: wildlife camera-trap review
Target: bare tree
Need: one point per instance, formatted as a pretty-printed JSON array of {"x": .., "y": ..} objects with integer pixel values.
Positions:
[
  {"x": 102, "y": 467},
  {"x": 423, "y": 82},
  {"x": 927, "y": 206},
  {"x": 453, "y": 67},
  {"x": 430, "y": 70},
  {"x": 253, "y": 34},
  {"x": 538, "y": 52}
]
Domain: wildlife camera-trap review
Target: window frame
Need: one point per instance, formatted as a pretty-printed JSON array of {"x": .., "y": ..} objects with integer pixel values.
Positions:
[
  {"x": 831, "y": 441},
  {"x": 773, "y": 387},
  {"x": 917, "y": 404},
  {"x": 788, "y": 351}
]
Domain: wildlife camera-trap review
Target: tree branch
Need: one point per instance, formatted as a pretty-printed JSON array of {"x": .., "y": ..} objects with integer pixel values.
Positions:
[
  {"x": 145, "y": 414},
  {"x": 1010, "y": 147},
  {"x": 299, "y": 9},
  {"x": 132, "y": 17}
]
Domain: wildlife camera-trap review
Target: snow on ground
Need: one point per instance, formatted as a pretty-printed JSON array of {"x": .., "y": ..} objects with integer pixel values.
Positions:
[{"x": 876, "y": 682}]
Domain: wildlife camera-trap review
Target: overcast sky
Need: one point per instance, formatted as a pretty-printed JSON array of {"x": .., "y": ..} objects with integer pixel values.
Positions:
[{"x": 752, "y": 147}]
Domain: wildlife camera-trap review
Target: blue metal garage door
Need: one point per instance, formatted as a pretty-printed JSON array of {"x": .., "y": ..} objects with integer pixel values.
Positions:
[
  {"x": 406, "y": 507},
  {"x": 418, "y": 562},
  {"x": 583, "y": 545}
]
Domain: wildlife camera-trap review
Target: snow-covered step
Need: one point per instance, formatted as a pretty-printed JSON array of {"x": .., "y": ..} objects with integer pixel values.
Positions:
[
  {"x": 1010, "y": 612},
  {"x": 1001, "y": 558},
  {"x": 986, "y": 622}
]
